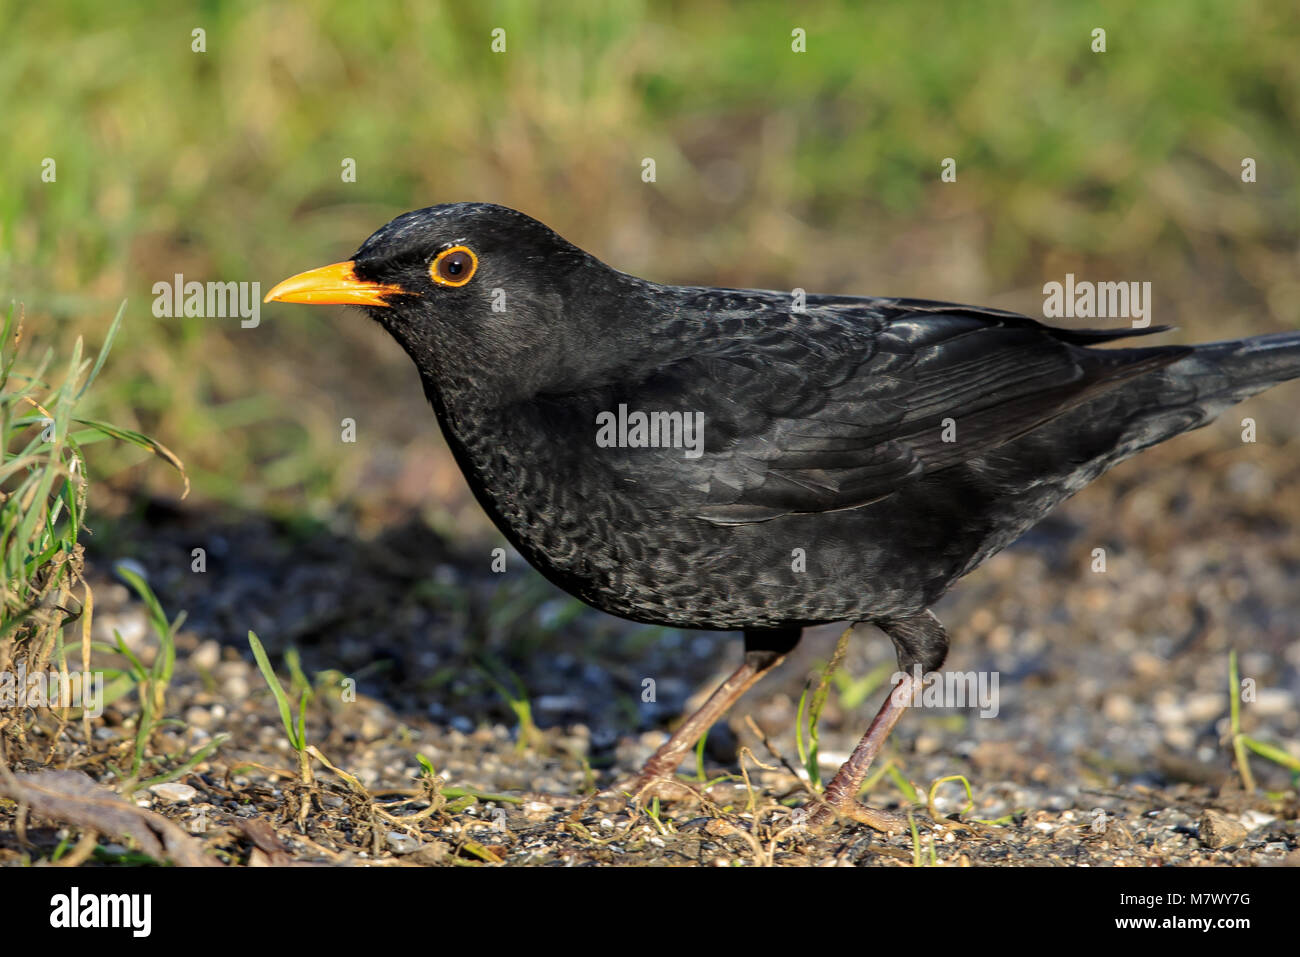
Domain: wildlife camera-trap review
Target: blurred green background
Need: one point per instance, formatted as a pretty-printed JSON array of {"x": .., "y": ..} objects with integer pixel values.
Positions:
[{"x": 774, "y": 169}]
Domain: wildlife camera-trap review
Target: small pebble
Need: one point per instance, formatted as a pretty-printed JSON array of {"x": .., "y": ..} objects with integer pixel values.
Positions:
[
  {"x": 400, "y": 842},
  {"x": 537, "y": 811},
  {"x": 927, "y": 743},
  {"x": 1118, "y": 708},
  {"x": 207, "y": 655},
  {"x": 175, "y": 792},
  {"x": 1253, "y": 819},
  {"x": 1271, "y": 702},
  {"x": 1218, "y": 830},
  {"x": 1205, "y": 706}
]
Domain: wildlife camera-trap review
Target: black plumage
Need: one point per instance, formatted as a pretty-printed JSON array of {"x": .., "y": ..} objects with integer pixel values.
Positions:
[{"x": 858, "y": 456}]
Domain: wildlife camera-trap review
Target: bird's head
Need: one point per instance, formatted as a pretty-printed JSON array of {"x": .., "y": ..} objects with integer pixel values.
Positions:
[{"x": 485, "y": 300}]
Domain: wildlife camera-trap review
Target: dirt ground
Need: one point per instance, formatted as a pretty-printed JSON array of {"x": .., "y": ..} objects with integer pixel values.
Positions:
[{"x": 1110, "y": 745}]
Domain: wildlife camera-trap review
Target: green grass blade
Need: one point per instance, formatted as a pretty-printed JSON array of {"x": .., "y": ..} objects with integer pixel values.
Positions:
[
  {"x": 104, "y": 349},
  {"x": 272, "y": 682}
]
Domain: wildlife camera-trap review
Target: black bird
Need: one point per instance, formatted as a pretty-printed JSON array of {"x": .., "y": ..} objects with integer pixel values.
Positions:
[{"x": 842, "y": 460}]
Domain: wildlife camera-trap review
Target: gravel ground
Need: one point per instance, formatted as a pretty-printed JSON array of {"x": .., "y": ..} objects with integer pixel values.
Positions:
[{"x": 1110, "y": 744}]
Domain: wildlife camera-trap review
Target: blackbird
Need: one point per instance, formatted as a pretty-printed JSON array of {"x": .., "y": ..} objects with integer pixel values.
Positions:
[{"x": 743, "y": 460}]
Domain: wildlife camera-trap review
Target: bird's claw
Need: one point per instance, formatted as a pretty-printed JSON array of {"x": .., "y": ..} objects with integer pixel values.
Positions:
[{"x": 887, "y": 822}]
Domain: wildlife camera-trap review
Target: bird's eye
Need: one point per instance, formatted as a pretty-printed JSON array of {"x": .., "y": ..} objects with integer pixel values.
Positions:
[{"x": 454, "y": 267}]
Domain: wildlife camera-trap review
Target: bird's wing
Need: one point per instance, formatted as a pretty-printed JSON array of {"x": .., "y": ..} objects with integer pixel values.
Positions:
[{"x": 833, "y": 410}]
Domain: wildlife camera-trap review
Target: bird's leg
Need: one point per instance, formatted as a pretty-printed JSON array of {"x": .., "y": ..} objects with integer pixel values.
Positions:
[
  {"x": 764, "y": 650},
  {"x": 841, "y": 795},
  {"x": 922, "y": 645},
  {"x": 656, "y": 777}
]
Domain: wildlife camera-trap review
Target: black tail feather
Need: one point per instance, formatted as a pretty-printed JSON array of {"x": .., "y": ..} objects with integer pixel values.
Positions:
[{"x": 1241, "y": 368}]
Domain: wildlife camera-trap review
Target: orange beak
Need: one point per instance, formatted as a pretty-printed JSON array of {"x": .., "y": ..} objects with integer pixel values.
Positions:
[{"x": 336, "y": 283}]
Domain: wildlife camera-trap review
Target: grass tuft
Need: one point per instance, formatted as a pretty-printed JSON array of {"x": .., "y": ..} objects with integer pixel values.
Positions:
[{"x": 43, "y": 494}]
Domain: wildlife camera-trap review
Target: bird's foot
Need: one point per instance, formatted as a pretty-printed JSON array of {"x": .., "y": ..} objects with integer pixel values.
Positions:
[
  {"x": 644, "y": 788},
  {"x": 887, "y": 822}
]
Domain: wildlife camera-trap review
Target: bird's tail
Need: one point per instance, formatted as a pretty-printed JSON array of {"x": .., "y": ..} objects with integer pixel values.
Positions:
[
  {"x": 1224, "y": 373},
  {"x": 1195, "y": 389}
]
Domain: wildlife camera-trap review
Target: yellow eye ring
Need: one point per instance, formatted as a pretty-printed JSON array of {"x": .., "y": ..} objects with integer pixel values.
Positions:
[{"x": 453, "y": 267}]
